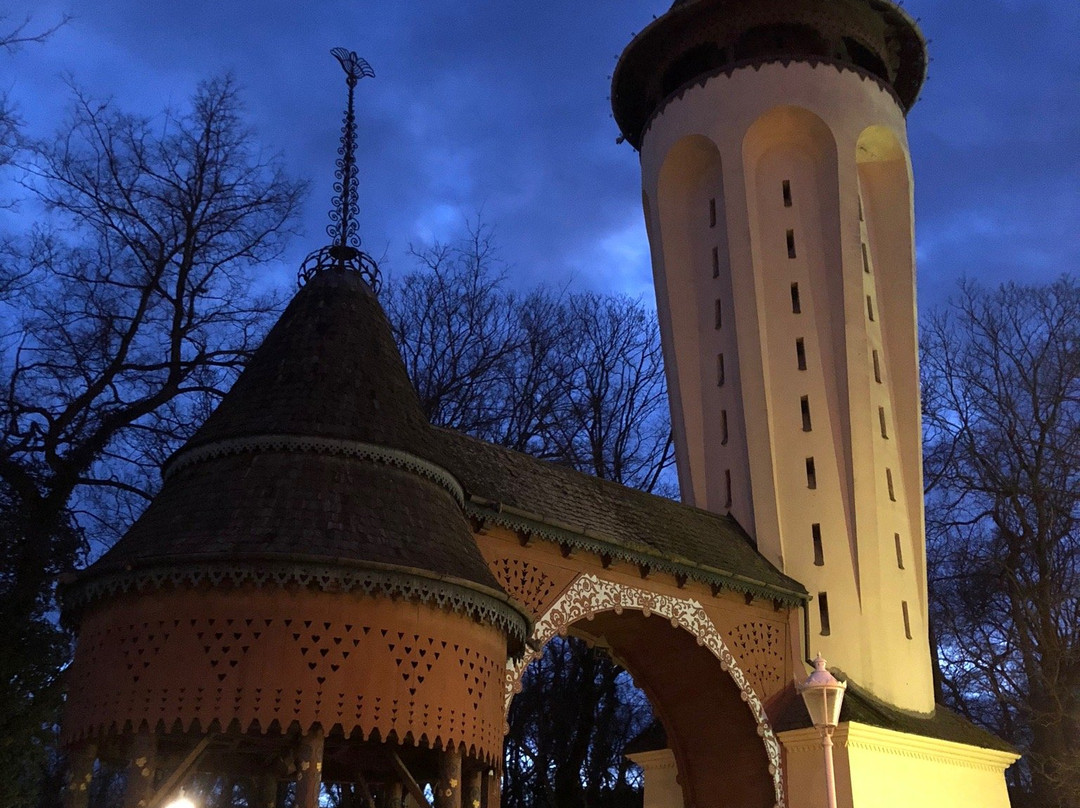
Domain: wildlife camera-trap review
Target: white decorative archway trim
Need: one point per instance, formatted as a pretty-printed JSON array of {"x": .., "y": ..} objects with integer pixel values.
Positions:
[{"x": 589, "y": 595}]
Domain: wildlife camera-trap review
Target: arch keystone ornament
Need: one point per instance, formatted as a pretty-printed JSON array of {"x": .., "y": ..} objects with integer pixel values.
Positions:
[{"x": 589, "y": 595}]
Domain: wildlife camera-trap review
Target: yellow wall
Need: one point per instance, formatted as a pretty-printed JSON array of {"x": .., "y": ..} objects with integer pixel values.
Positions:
[
  {"x": 878, "y": 768},
  {"x": 662, "y": 789}
]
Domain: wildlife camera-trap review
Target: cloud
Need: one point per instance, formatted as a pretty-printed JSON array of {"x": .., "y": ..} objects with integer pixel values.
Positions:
[{"x": 484, "y": 105}]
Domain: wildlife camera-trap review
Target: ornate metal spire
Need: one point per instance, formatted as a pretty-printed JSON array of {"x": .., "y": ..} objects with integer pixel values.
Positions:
[{"x": 344, "y": 252}]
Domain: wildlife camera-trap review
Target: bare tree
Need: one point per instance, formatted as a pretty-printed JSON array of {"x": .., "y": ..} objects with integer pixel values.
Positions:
[
  {"x": 613, "y": 419},
  {"x": 15, "y": 35},
  {"x": 139, "y": 312},
  {"x": 12, "y": 37},
  {"x": 574, "y": 378},
  {"x": 568, "y": 728},
  {"x": 458, "y": 330},
  {"x": 1001, "y": 381}
]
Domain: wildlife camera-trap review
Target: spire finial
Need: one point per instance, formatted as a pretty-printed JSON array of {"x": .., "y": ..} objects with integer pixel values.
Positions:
[{"x": 344, "y": 253}]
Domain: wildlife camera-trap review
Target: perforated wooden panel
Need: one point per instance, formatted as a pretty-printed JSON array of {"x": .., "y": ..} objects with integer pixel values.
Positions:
[
  {"x": 759, "y": 648},
  {"x": 403, "y": 670},
  {"x": 526, "y": 582}
]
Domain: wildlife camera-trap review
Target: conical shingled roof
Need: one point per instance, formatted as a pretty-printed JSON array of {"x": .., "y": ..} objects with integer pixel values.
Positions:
[
  {"x": 329, "y": 368},
  {"x": 317, "y": 455}
]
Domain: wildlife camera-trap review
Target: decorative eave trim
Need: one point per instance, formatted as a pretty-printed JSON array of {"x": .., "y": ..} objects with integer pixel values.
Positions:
[
  {"x": 479, "y": 603},
  {"x": 334, "y": 447},
  {"x": 721, "y": 579},
  {"x": 757, "y": 64}
]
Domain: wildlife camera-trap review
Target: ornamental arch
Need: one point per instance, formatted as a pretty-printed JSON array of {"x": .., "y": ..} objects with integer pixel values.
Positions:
[
  {"x": 713, "y": 662},
  {"x": 671, "y": 646}
]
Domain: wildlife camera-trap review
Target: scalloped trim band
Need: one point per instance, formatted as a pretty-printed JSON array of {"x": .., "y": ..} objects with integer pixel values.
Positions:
[
  {"x": 327, "y": 446},
  {"x": 324, "y": 577}
]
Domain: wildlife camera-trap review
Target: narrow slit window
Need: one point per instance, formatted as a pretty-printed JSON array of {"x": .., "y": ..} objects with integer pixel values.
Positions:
[
  {"x": 800, "y": 353},
  {"x": 804, "y": 407},
  {"x": 899, "y": 551},
  {"x": 881, "y": 421},
  {"x": 889, "y": 482},
  {"x": 720, "y": 370},
  {"x": 790, "y": 243},
  {"x": 819, "y": 553},
  {"x": 870, "y": 308},
  {"x": 716, "y": 262},
  {"x": 796, "y": 305},
  {"x": 860, "y": 208},
  {"x": 907, "y": 619},
  {"x": 723, "y": 428},
  {"x": 823, "y": 613},
  {"x": 712, "y": 212},
  {"x": 811, "y": 473},
  {"x": 877, "y": 368},
  {"x": 865, "y": 260},
  {"x": 787, "y": 193},
  {"x": 718, "y": 314},
  {"x": 727, "y": 488}
]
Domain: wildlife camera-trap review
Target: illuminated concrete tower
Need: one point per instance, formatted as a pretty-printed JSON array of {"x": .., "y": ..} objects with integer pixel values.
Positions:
[{"x": 778, "y": 201}]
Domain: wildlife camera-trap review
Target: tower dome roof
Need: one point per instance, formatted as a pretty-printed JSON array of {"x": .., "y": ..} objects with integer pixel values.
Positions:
[
  {"x": 318, "y": 459},
  {"x": 699, "y": 38}
]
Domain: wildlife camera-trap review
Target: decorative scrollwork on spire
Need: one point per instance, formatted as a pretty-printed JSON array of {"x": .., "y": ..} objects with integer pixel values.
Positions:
[{"x": 344, "y": 252}]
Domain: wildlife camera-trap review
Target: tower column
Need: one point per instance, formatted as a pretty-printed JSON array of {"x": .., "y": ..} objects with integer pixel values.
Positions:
[
  {"x": 778, "y": 196},
  {"x": 789, "y": 303}
]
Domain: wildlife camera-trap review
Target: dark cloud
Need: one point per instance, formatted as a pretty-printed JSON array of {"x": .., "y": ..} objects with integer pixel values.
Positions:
[{"x": 497, "y": 108}]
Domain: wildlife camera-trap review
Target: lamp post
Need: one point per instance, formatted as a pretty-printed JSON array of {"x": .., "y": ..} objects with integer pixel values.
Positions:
[{"x": 823, "y": 696}]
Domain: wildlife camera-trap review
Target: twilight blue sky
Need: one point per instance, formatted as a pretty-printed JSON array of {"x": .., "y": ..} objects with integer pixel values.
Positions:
[{"x": 501, "y": 107}]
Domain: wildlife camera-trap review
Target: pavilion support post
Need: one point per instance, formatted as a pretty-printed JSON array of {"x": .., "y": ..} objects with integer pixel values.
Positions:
[
  {"x": 141, "y": 768},
  {"x": 448, "y": 788},
  {"x": 474, "y": 788},
  {"x": 365, "y": 791},
  {"x": 266, "y": 791},
  {"x": 492, "y": 788},
  {"x": 80, "y": 773},
  {"x": 309, "y": 769},
  {"x": 391, "y": 794}
]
